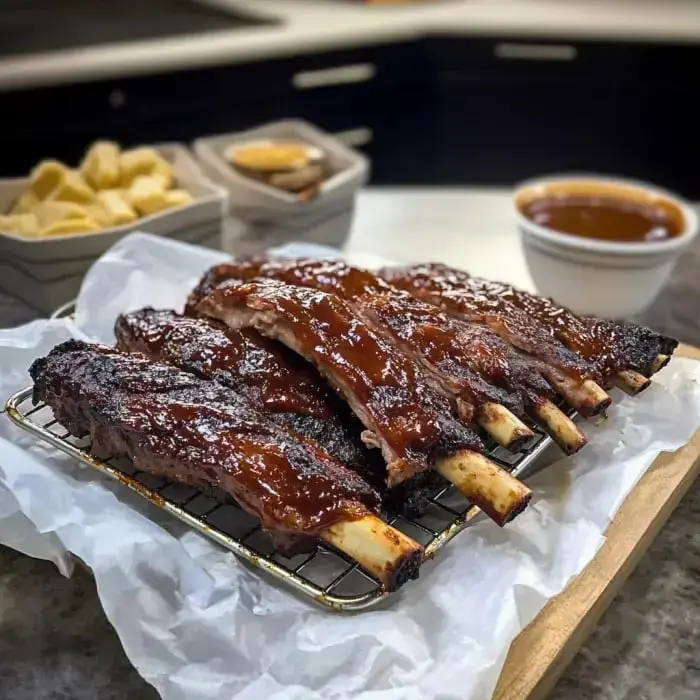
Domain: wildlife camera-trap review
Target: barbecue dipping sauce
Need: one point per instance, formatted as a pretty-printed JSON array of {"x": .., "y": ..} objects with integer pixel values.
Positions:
[{"x": 606, "y": 218}]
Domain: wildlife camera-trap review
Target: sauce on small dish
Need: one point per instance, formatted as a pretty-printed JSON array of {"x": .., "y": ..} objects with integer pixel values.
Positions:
[{"x": 607, "y": 218}]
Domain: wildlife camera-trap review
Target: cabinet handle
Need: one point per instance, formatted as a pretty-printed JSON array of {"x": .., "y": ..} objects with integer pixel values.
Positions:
[
  {"x": 354, "y": 138},
  {"x": 535, "y": 52},
  {"x": 340, "y": 75}
]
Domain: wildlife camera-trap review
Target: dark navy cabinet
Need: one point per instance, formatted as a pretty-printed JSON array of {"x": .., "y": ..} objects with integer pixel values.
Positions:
[{"x": 438, "y": 111}]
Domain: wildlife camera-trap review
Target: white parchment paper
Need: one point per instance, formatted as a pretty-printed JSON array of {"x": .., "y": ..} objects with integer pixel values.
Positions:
[{"x": 198, "y": 624}]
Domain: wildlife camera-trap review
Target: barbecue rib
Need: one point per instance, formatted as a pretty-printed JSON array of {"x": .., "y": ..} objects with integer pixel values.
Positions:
[
  {"x": 572, "y": 376},
  {"x": 490, "y": 382},
  {"x": 539, "y": 326},
  {"x": 475, "y": 399},
  {"x": 410, "y": 422},
  {"x": 273, "y": 379},
  {"x": 176, "y": 425}
]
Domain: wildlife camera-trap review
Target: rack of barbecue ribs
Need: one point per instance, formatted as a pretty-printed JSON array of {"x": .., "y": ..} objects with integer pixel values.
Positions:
[
  {"x": 321, "y": 397},
  {"x": 500, "y": 354},
  {"x": 487, "y": 379},
  {"x": 171, "y": 423},
  {"x": 209, "y": 350}
]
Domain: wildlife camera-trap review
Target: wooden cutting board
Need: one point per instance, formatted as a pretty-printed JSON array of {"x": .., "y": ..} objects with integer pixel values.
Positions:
[{"x": 541, "y": 652}]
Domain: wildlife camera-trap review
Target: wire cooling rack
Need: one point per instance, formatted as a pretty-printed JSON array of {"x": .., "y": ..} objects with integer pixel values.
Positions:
[{"x": 325, "y": 575}]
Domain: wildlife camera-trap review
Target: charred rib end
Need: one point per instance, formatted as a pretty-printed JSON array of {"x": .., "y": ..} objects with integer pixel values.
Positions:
[
  {"x": 659, "y": 363},
  {"x": 517, "y": 509},
  {"x": 405, "y": 569},
  {"x": 494, "y": 490},
  {"x": 518, "y": 442},
  {"x": 630, "y": 382},
  {"x": 598, "y": 400}
]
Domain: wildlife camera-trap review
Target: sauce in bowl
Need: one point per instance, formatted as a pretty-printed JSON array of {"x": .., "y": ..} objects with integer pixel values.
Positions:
[
  {"x": 604, "y": 218},
  {"x": 601, "y": 246},
  {"x": 605, "y": 212}
]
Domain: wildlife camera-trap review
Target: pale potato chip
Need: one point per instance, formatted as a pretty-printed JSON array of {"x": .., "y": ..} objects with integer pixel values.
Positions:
[
  {"x": 97, "y": 212},
  {"x": 100, "y": 167},
  {"x": 46, "y": 177},
  {"x": 178, "y": 198},
  {"x": 25, "y": 203},
  {"x": 164, "y": 170},
  {"x": 119, "y": 210},
  {"x": 25, "y": 225},
  {"x": 144, "y": 161},
  {"x": 147, "y": 195},
  {"x": 71, "y": 226},
  {"x": 72, "y": 188},
  {"x": 49, "y": 212}
]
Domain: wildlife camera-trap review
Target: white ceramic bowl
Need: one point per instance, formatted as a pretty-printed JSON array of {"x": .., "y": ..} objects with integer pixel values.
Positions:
[
  {"x": 599, "y": 277},
  {"x": 45, "y": 273}
]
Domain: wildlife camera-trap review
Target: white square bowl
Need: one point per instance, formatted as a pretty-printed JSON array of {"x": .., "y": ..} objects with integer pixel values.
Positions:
[
  {"x": 45, "y": 273},
  {"x": 261, "y": 216}
]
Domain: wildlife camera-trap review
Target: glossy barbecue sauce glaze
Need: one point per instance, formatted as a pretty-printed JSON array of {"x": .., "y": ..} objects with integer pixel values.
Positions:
[
  {"x": 606, "y": 218},
  {"x": 481, "y": 301},
  {"x": 175, "y": 424},
  {"x": 328, "y": 275},
  {"x": 458, "y": 349},
  {"x": 242, "y": 359},
  {"x": 455, "y": 346},
  {"x": 465, "y": 354},
  {"x": 608, "y": 346},
  {"x": 291, "y": 485}
]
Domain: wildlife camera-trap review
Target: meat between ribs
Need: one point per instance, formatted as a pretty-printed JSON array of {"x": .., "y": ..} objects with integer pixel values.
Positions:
[
  {"x": 271, "y": 377},
  {"x": 537, "y": 325}
]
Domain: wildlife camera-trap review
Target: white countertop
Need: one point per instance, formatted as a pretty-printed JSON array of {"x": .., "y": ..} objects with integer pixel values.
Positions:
[
  {"x": 470, "y": 228},
  {"x": 313, "y": 25}
]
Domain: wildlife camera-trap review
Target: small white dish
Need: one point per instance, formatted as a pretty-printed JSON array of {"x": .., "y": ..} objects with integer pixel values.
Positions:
[
  {"x": 261, "y": 216},
  {"x": 594, "y": 276}
]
